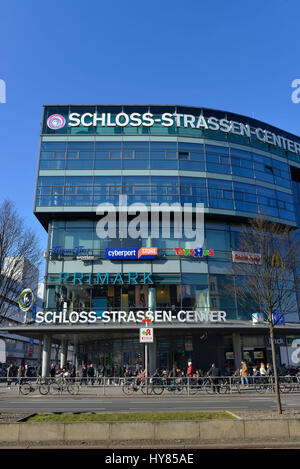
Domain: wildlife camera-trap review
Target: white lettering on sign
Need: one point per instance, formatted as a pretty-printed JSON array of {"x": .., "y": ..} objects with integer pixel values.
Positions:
[
  {"x": 166, "y": 119},
  {"x": 161, "y": 316}
]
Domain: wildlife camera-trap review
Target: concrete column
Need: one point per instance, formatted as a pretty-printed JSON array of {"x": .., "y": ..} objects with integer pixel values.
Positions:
[
  {"x": 237, "y": 349},
  {"x": 46, "y": 355},
  {"x": 39, "y": 353},
  {"x": 152, "y": 357},
  {"x": 63, "y": 353},
  {"x": 76, "y": 352},
  {"x": 151, "y": 298}
]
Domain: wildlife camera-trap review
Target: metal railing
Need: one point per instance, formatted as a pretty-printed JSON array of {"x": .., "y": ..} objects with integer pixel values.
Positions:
[{"x": 154, "y": 386}]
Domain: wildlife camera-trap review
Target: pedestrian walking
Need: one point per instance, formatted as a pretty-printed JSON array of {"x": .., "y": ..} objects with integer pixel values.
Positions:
[
  {"x": 244, "y": 374},
  {"x": 83, "y": 375},
  {"x": 214, "y": 373},
  {"x": 53, "y": 370},
  {"x": 91, "y": 374},
  {"x": 262, "y": 369},
  {"x": 9, "y": 375},
  {"x": 19, "y": 375}
]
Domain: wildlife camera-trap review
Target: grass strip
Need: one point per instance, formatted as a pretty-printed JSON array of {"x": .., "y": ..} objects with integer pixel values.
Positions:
[{"x": 130, "y": 416}]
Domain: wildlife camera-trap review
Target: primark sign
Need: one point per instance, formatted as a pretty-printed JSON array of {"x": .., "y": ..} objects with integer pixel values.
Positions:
[{"x": 147, "y": 119}]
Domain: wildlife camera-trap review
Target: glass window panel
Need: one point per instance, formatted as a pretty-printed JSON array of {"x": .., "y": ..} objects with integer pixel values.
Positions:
[
  {"x": 53, "y": 145},
  {"x": 46, "y": 155},
  {"x": 107, "y": 146},
  {"x": 57, "y": 190},
  {"x": 143, "y": 155},
  {"x": 78, "y": 200},
  {"x": 156, "y": 146},
  {"x": 47, "y": 191},
  {"x": 171, "y": 155},
  {"x": 86, "y": 155},
  {"x": 115, "y": 155},
  {"x": 127, "y": 155},
  {"x": 245, "y": 206},
  {"x": 60, "y": 155},
  {"x": 213, "y": 158},
  {"x": 183, "y": 155},
  {"x": 216, "y": 149},
  {"x": 219, "y": 184},
  {"x": 136, "y": 164},
  {"x": 80, "y": 164},
  {"x": 52, "y": 164},
  {"x": 57, "y": 238},
  {"x": 78, "y": 237},
  {"x": 51, "y": 180},
  {"x": 81, "y": 146},
  {"x": 197, "y": 156},
  {"x": 164, "y": 164},
  {"x": 217, "y": 168},
  {"x": 238, "y": 171},
  {"x": 109, "y": 164},
  {"x": 157, "y": 155},
  {"x": 192, "y": 165},
  {"x": 218, "y": 240},
  {"x": 72, "y": 155},
  {"x": 102, "y": 155},
  {"x": 78, "y": 180}
]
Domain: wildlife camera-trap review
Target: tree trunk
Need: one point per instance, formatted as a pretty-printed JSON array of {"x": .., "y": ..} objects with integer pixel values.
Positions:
[{"x": 276, "y": 382}]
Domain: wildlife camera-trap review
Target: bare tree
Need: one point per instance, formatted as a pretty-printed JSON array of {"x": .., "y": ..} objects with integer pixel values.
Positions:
[
  {"x": 266, "y": 275},
  {"x": 20, "y": 259}
]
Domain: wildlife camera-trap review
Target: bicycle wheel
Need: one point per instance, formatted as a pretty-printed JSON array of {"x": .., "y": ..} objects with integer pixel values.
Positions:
[
  {"x": 73, "y": 388},
  {"x": 209, "y": 389},
  {"x": 143, "y": 388},
  {"x": 128, "y": 389},
  {"x": 223, "y": 388},
  {"x": 260, "y": 388},
  {"x": 157, "y": 389},
  {"x": 54, "y": 388},
  {"x": 25, "y": 389},
  {"x": 193, "y": 389},
  {"x": 237, "y": 387},
  {"x": 44, "y": 389},
  {"x": 285, "y": 386},
  {"x": 178, "y": 389}
]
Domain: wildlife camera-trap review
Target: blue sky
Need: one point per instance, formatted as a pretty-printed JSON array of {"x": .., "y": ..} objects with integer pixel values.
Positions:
[{"x": 237, "y": 56}]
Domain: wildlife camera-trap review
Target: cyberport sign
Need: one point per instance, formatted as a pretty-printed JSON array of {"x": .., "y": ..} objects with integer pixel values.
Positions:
[
  {"x": 131, "y": 253},
  {"x": 197, "y": 252},
  {"x": 119, "y": 317}
]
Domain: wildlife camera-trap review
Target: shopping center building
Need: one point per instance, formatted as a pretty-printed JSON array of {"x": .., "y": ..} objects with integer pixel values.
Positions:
[{"x": 236, "y": 166}]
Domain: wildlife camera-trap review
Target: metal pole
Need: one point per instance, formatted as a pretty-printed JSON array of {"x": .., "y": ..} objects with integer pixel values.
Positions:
[{"x": 146, "y": 367}]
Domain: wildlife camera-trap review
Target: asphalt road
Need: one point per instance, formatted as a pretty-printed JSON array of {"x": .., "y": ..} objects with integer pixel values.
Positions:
[{"x": 37, "y": 403}]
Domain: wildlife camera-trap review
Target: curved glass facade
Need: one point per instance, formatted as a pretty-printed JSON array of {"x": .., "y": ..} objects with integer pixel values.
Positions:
[{"x": 235, "y": 166}]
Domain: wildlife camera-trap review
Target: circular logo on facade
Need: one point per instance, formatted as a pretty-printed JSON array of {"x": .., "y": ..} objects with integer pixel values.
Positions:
[
  {"x": 26, "y": 300},
  {"x": 56, "y": 121}
]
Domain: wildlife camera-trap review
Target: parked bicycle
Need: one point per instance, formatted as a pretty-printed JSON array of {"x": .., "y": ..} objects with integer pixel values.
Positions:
[
  {"x": 27, "y": 386},
  {"x": 132, "y": 385},
  {"x": 62, "y": 384}
]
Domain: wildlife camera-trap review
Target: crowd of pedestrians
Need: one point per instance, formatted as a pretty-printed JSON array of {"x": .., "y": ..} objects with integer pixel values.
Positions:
[{"x": 89, "y": 374}]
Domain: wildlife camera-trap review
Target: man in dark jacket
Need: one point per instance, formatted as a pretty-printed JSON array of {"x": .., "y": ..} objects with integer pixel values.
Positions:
[
  {"x": 214, "y": 372},
  {"x": 91, "y": 374}
]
